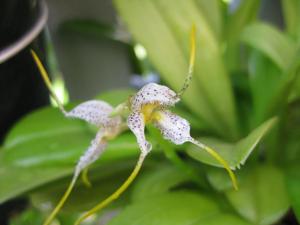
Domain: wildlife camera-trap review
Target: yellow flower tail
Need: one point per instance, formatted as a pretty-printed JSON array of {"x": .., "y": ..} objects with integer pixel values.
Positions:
[
  {"x": 46, "y": 79},
  {"x": 214, "y": 154},
  {"x": 117, "y": 193},
  {"x": 61, "y": 202},
  {"x": 191, "y": 61}
]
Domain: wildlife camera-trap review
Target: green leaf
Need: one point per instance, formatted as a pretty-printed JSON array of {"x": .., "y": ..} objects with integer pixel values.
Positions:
[
  {"x": 212, "y": 13},
  {"x": 284, "y": 52},
  {"x": 163, "y": 28},
  {"x": 291, "y": 156},
  {"x": 290, "y": 135},
  {"x": 286, "y": 86},
  {"x": 263, "y": 75},
  {"x": 45, "y": 137},
  {"x": 222, "y": 218},
  {"x": 157, "y": 181},
  {"x": 235, "y": 154},
  {"x": 262, "y": 197},
  {"x": 245, "y": 14},
  {"x": 88, "y": 27},
  {"x": 168, "y": 209},
  {"x": 291, "y": 12},
  {"x": 271, "y": 42},
  {"x": 24, "y": 172},
  {"x": 41, "y": 123},
  {"x": 115, "y": 97},
  {"x": 295, "y": 93},
  {"x": 29, "y": 216},
  {"x": 293, "y": 188},
  {"x": 16, "y": 181}
]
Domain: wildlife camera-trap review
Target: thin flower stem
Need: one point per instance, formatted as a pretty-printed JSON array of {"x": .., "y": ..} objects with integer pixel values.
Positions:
[
  {"x": 189, "y": 76},
  {"x": 117, "y": 193},
  {"x": 214, "y": 154},
  {"x": 61, "y": 202}
]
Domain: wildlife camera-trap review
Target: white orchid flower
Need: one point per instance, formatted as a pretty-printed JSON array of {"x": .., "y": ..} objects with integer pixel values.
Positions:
[{"x": 149, "y": 105}]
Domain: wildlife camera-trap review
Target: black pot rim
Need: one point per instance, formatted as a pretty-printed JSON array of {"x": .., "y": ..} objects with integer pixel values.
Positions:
[{"x": 14, "y": 48}]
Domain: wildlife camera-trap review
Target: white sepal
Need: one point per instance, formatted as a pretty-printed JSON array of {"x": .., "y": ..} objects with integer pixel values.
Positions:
[
  {"x": 94, "y": 151},
  {"x": 173, "y": 127},
  {"x": 94, "y": 111},
  {"x": 153, "y": 93},
  {"x": 136, "y": 124}
]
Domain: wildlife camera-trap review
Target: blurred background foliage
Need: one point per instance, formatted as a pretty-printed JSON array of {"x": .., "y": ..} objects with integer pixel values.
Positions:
[{"x": 244, "y": 101}]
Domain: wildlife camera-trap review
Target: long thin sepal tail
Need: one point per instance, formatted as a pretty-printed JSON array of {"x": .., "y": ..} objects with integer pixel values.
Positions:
[
  {"x": 61, "y": 202},
  {"x": 116, "y": 194},
  {"x": 214, "y": 154},
  {"x": 46, "y": 79},
  {"x": 189, "y": 76}
]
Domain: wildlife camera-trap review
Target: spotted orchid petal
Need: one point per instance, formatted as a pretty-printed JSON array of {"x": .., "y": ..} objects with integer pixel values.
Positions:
[
  {"x": 173, "y": 127},
  {"x": 96, "y": 148},
  {"x": 177, "y": 130},
  {"x": 94, "y": 112},
  {"x": 153, "y": 94},
  {"x": 136, "y": 124}
]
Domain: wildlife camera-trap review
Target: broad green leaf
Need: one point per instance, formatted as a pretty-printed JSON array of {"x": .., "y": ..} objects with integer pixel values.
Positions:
[
  {"x": 88, "y": 27},
  {"x": 15, "y": 180},
  {"x": 163, "y": 27},
  {"x": 29, "y": 216},
  {"x": 293, "y": 188},
  {"x": 116, "y": 97},
  {"x": 271, "y": 42},
  {"x": 284, "y": 52},
  {"x": 157, "y": 181},
  {"x": 295, "y": 93},
  {"x": 263, "y": 75},
  {"x": 168, "y": 209},
  {"x": 24, "y": 172},
  {"x": 290, "y": 134},
  {"x": 291, "y": 156},
  {"x": 235, "y": 154},
  {"x": 291, "y": 13},
  {"x": 41, "y": 123},
  {"x": 244, "y": 14},
  {"x": 212, "y": 13},
  {"x": 286, "y": 86},
  {"x": 222, "y": 219},
  {"x": 262, "y": 197},
  {"x": 45, "y": 137}
]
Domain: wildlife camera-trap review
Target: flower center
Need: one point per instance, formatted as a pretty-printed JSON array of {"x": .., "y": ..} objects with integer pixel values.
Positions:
[{"x": 149, "y": 111}]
